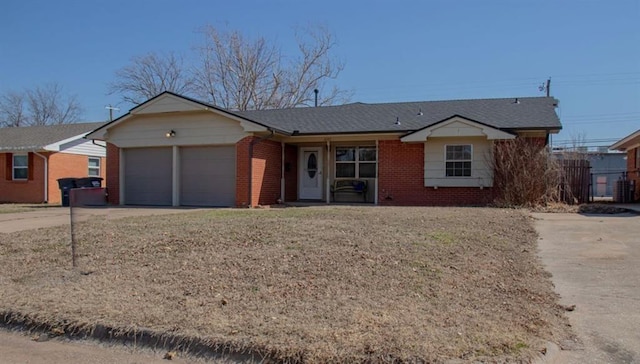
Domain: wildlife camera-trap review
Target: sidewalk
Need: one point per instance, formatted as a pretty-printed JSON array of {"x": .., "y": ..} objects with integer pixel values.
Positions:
[{"x": 595, "y": 265}]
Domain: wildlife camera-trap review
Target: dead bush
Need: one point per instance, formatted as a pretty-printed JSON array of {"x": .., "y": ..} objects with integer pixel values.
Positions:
[{"x": 525, "y": 173}]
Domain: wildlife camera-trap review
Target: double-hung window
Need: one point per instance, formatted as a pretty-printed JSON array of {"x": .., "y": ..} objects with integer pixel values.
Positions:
[
  {"x": 94, "y": 167},
  {"x": 356, "y": 162},
  {"x": 20, "y": 167},
  {"x": 458, "y": 159}
]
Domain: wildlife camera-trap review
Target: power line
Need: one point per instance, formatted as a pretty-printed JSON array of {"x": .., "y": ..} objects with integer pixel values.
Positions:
[
  {"x": 607, "y": 114},
  {"x": 601, "y": 121}
]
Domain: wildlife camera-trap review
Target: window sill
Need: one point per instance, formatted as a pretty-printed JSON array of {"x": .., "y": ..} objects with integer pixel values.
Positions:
[{"x": 475, "y": 182}]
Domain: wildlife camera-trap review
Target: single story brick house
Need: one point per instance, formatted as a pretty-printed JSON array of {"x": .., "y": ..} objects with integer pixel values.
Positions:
[
  {"x": 173, "y": 150},
  {"x": 631, "y": 145},
  {"x": 35, "y": 157}
]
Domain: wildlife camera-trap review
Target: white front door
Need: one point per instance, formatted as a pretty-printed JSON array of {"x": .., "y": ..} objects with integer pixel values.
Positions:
[{"x": 311, "y": 173}]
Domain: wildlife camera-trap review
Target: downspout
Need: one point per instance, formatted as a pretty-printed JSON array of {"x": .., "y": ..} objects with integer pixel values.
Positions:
[
  {"x": 251, "y": 144},
  {"x": 93, "y": 141},
  {"x": 46, "y": 176}
]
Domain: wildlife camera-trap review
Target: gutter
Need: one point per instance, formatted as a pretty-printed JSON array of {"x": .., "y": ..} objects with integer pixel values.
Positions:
[
  {"x": 46, "y": 175},
  {"x": 251, "y": 144}
]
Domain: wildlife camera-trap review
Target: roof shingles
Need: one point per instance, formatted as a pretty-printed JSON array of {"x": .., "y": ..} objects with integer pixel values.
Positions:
[
  {"x": 506, "y": 114},
  {"x": 37, "y": 137}
]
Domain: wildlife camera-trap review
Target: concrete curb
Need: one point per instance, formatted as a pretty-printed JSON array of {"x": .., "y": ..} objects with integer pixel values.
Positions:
[{"x": 140, "y": 337}]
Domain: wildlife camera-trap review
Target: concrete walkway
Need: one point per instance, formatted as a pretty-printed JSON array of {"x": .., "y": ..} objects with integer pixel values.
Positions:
[
  {"x": 55, "y": 216},
  {"x": 595, "y": 263}
]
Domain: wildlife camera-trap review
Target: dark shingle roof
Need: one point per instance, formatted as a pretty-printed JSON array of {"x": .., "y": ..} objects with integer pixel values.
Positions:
[
  {"x": 505, "y": 114},
  {"x": 36, "y": 137}
]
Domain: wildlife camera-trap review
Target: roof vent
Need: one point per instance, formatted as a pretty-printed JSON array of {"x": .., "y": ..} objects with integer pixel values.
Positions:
[
  {"x": 397, "y": 121},
  {"x": 516, "y": 101},
  {"x": 420, "y": 112}
]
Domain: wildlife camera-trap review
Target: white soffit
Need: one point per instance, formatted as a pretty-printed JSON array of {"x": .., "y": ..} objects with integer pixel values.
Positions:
[
  {"x": 628, "y": 142},
  {"x": 456, "y": 127},
  {"x": 55, "y": 147}
]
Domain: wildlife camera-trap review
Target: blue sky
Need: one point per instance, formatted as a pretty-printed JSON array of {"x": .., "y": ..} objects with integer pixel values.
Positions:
[{"x": 393, "y": 51}]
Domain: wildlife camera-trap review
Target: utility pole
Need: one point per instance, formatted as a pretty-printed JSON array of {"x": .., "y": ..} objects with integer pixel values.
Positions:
[
  {"x": 546, "y": 87},
  {"x": 111, "y": 108}
]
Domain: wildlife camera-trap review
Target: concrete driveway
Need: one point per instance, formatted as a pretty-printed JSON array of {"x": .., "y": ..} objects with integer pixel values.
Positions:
[
  {"x": 595, "y": 263},
  {"x": 54, "y": 216}
]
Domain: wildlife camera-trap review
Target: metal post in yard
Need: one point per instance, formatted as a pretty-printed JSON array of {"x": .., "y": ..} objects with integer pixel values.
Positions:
[{"x": 72, "y": 201}]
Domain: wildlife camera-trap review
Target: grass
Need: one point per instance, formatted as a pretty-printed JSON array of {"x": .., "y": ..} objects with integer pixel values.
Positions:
[{"x": 302, "y": 284}]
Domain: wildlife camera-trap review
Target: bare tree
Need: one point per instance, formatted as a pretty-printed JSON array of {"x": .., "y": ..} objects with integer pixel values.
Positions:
[
  {"x": 47, "y": 105},
  {"x": 147, "y": 76},
  {"x": 237, "y": 73},
  {"x": 312, "y": 69},
  {"x": 242, "y": 74},
  {"x": 43, "y": 105},
  {"x": 12, "y": 109}
]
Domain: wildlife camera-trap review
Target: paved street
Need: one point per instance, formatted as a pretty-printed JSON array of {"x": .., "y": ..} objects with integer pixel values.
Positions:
[{"x": 54, "y": 216}]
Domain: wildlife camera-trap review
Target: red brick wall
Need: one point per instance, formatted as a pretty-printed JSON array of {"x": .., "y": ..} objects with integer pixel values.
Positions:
[
  {"x": 266, "y": 172},
  {"x": 242, "y": 172},
  {"x": 62, "y": 165},
  {"x": 29, "y": 191},
  {"x": 113, "y": 174},
  {"x": 401, "y": 180},
  {"x": 291, "y": 173}
]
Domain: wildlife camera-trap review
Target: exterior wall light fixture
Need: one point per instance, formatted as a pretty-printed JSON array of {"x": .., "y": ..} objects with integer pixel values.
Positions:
[{"x": 170, "y": 134}]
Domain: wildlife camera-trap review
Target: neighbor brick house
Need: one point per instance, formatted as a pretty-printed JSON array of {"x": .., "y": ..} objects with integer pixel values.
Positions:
[
  {"x": 33, "y": 158},
  {"x": 631, "y": 145},
  {"x": 173, "y": 150}
]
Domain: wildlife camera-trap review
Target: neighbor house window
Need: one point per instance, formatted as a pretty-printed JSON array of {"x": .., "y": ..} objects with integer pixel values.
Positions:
[
  {"x": 458, "y": 160},
  {"x": 356, "y": 162},
  {"x": 20, "y": 166},
  {"x": 94, "y": 167},
  {"x": 638, "y": 158}
]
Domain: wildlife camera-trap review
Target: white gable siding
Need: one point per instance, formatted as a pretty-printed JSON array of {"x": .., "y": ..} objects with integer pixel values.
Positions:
[
  {"x": 203, "y": 128},
  {"x": 458, "y": 129},
  {"x": 83, "y": 147},
  {"x": 168, "y": 103},
  {"x": 434, "y": 163}
]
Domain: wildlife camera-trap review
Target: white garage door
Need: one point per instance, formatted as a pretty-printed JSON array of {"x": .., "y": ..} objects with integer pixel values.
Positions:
[
  {"x": 208, "y": 176},
  {"x": 147, "y": 176}
]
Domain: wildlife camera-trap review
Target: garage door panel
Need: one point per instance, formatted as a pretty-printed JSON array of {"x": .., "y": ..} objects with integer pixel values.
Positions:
[
  {"x": 148, "y": 176},
  {"x": 207, "y": 176}
]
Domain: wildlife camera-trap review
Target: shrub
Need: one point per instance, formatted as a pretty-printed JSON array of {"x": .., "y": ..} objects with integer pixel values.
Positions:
[{"x": 525, "y": 173}]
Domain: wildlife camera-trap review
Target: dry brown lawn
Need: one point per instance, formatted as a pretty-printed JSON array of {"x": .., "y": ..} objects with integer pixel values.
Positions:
[{"x": 311, "y": 284}]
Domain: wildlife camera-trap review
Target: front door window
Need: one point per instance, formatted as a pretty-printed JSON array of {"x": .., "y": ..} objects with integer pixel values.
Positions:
[{"x": 312, "y": 165}]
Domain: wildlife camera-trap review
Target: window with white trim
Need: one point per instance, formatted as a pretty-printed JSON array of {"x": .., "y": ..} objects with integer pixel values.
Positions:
[
  {"x": 458, "y": 160},
  {"x": 355, "y": 162},
  {"x": 94, "y": 167},
  {"x": 20, "y": 167}
]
